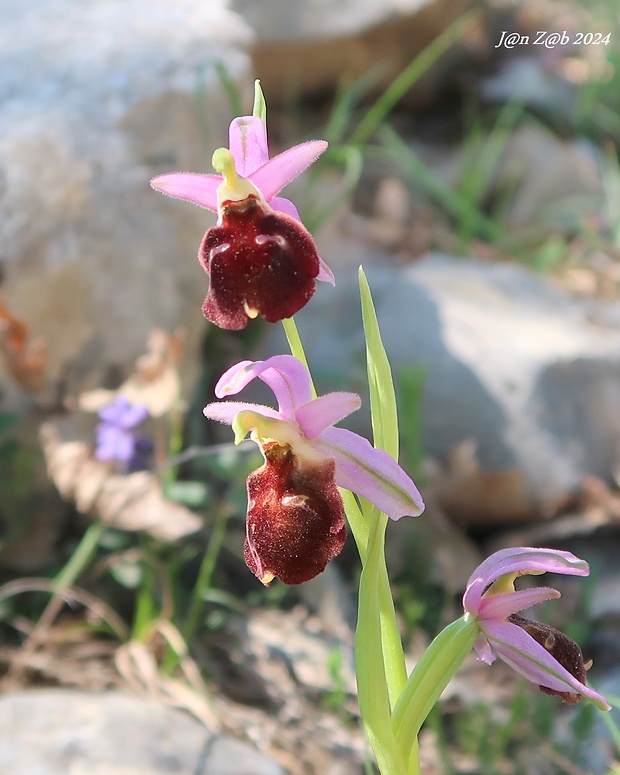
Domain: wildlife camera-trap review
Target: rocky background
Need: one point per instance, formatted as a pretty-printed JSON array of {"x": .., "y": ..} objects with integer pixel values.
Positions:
[{"x": 488, "y": 226}]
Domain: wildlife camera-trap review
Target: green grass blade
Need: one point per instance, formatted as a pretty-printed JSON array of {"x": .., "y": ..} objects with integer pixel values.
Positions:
[
  {"x": 347, "y": 100},
  {"x": 406, "y": 79},
  {"x": 453, "y": 202},
  {"x": 81, "y": 557}
]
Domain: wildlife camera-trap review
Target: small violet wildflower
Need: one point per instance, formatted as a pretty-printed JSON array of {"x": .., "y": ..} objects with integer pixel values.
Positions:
[
  {"x": 295, "y": 518},
  {"x": 541, "y": 653},
  {"x": 260, "y": 258},
  {"x": 116, "y": 439}
]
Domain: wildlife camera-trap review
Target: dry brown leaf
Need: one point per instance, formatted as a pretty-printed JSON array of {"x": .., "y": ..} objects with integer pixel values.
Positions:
[
  {"x": 477, "y": 498},
  {"x": 26, "y": 358},
  {"x": 128, "y": 502},
  {"x": 137, "y": 665},
  {"x": 94, "y": 400},
  {"x": 154, "y": 383},
  {"x": 600, "y": 503}
]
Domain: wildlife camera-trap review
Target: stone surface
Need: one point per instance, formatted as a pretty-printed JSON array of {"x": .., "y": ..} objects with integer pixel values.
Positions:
[
  {"x": 62, "y": 732},
  {"x": 510, "y": 362},
  {"x": 597, "y": 753},
  {"x": 537, "y": 180},
  {"x": 95, "y": 99},
  {"x": 313, "y": 46},
  {"x": 289, "y": 685},
  {"x": 555, "y": 182}
]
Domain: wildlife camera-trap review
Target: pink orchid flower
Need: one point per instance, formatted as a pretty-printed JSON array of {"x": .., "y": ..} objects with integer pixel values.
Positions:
[
  {"x": 295, "y": 520},
  {"x": 537, "y": 651},
  {"x": 259, "y": 256}
]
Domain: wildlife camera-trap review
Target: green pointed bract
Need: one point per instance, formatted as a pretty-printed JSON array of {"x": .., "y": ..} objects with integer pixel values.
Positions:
[{"x": 260, "y": 106}]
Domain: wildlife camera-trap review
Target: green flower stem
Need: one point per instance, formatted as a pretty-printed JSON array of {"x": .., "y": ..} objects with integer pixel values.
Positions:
[
  {"x": 429, "y": 678},
  {"x": 294, "y": 342},
  {"x": 80, "y": 557},
  {"x": 356, "y": 520},
  {"x": 372, "y": 685},
  {"x": 414, "y": 759},
  {"x": 205, "y": 574},
  {"x": 147, "y": 608},
  {"x": 392, "y": 655},
  {"x": 175, "y": 444}
]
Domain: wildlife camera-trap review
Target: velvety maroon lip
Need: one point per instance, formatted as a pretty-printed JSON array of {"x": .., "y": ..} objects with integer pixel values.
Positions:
[
  {"x": 295, "y": 520},
  {"x": 259, "y": 263}
]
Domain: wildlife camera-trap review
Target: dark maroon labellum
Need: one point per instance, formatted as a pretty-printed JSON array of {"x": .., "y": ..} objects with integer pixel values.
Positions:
[
  {"x": 295, "y": 522},
  {"x": 561, "y": 647},
  {"x": 260, "y": 263}
]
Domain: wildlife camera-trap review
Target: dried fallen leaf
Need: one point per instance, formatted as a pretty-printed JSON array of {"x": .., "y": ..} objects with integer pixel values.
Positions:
[
  {"x": 128, "y": 502},
  {"x": 474, "y": 497},
  {"x": 26, "y": 358},
  {"x": 154, "y": 383},
  {"x": 136, "y": 663}
]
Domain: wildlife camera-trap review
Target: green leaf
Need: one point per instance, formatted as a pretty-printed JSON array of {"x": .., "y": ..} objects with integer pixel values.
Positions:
[
  {"x": 229, "y": 87},
  {"x": 372, "y": 686},
  {"x": 382, "y": 396},
  {"x": 8, "y": 421},
  {"x": 190, "y": 493},
  {"x": 127, "y": 573}
]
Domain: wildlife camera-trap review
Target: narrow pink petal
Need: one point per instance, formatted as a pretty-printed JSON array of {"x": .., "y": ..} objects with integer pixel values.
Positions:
[
  {"x": 534, "y": 662},
  {"x": 233, "y": 380},
  {"x": 192, "y": 187},
  {"x": 370, "y": 472},
  {"x": 286, "y": 376},
  {"x": 226, "y": 411},
  {"x": 286, "y": 166},
  {"x": 520, "y": 560},
  {"x": 325, "y": 273},
  {"x": 247, "y": 141},
  {"x": 321, "y": 413},
  {"x": 483, "y": 649},
  {"x": 503, "y": 605},
  {"x": 282, "y": 205}
]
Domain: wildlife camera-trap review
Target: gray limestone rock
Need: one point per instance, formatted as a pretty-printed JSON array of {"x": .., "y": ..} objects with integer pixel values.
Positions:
[
  {"x": 95, "y": 99},
  {"x": 510, "y": 361},
  {"x": 313, "y": 46},
  {"x": 62, "y": 732}
]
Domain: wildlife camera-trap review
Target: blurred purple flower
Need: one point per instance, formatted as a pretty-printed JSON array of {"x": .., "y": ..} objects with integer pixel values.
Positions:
[
  {"x": 540, "y": 653},
  {"x": 116, "y": 439}
]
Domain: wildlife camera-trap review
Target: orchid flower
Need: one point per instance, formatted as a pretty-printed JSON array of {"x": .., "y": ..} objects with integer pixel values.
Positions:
[
  {"x": 260, "y": 258},
  {"x": 541, "y": 653},
  {"x": 116, "y": 439},
  {"x": 295, "y": 520}
]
